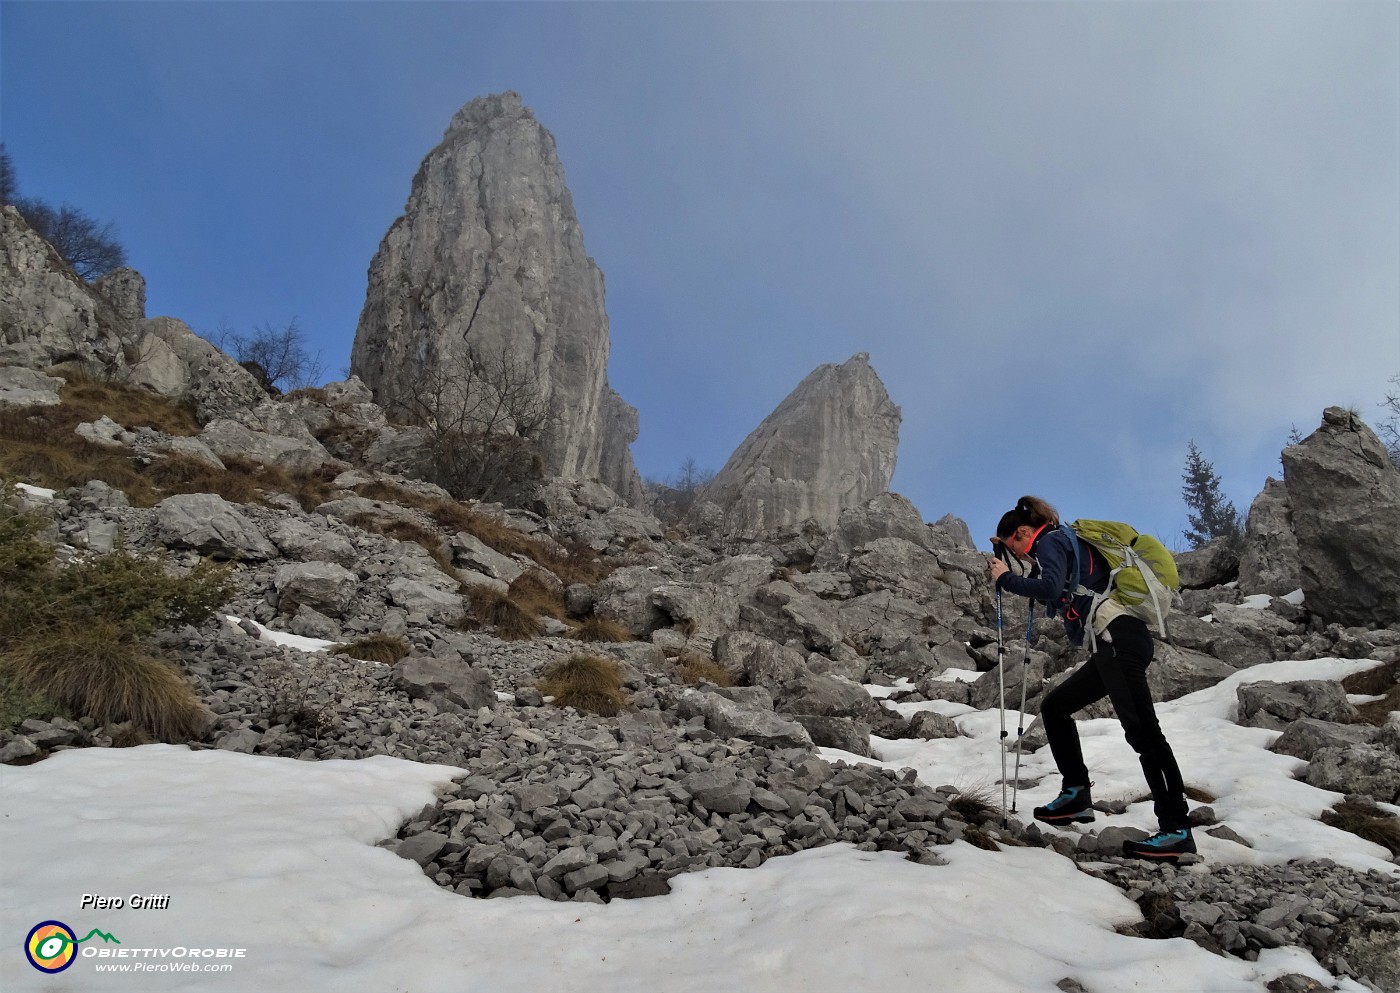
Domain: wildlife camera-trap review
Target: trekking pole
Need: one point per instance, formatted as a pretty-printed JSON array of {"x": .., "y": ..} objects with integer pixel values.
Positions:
[
  {"x": 1000, "y": 552},
  {"x": 1021, "y": 714}
]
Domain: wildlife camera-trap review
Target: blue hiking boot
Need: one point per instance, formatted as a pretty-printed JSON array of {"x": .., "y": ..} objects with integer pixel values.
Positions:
[
  {"x": 1073, "y": 806},
  {"x": 1165, "y": 846}
]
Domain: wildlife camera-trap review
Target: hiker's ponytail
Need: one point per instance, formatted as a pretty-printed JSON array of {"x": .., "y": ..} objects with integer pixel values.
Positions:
[
  {"x": 1028, "y": 510},
  {"x": 1037, "y": 512}
]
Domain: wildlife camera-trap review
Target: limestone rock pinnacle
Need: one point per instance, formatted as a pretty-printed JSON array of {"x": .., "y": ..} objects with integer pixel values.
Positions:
[
  {"x": 828, "y": 446},
  {"x": 488, "y": 257}
]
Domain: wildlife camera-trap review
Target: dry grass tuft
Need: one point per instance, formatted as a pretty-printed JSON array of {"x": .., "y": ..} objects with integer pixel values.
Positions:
[
  {"x": 587, "y": 683},
  {"x": 38, "y": 445},
  {"x": 693, "y": 668},
  {"x": 540, "y": 594},
  {"x": 601, "y": 629},
  {"x": 376, "y": 648},
  {"x": 187, "y": 474},
  {"x": 402, "y": 530},
  {"x": 497, "y": 610},
  {"x": 976, "y": 803},
  {"x": 1382, "y": 681},
  {"x": 310, "y": 489},
  {"x": 1362, "y": 817},
  {"x": 86, "y": 399},
  {"x": 96, "y": 670}
]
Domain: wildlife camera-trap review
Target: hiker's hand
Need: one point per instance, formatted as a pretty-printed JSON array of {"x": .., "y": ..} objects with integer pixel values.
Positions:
[{"x": 998, "y": 568}]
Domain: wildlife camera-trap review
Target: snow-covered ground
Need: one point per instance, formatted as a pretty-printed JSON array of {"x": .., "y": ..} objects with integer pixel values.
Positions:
[{"x": 274, "y": 860}]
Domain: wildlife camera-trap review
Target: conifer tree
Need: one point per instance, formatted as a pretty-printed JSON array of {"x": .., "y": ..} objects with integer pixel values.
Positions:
[{"x": 1211, "y": 515}]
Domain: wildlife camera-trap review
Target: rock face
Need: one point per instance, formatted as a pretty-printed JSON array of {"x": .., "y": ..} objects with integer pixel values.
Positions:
[
  {"x": 48, "y": 314},
  {"x": 125, "y": 289},
  {"x": 1269, "y": 559},
  {"x": 488, "y": 256},
  {"x": 1345, "y": 498},
  {"x": 830, "y": 445}
]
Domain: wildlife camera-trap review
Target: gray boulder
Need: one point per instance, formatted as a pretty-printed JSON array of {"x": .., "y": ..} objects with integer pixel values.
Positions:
[
  {"x": 1345, "y": 497},
  {"x": 449, "y": 685},
  {"x": 323, "y": 586},
  {"x": 884, "y": 620},
  {"x": 428, "y": 599},
  {"x": 720, "y": 790},
  {"x": 784, "y": 612},
  {"x": 48, "y": 314},
  {"x": 1365, "y": 769},
  {"x": 758, "y": 660},
  {"x": 731, "y": 719},
  {"x": 1214, "y": 564},
  {"x": 929, "y": 725},
  {"x": 212, "y": 526},
  {"x": 897, "y": 564},
  {"x": 125, "y": 289},
  {"x": 1307, "y": 736},
  {"x": 625, "y": 596},
  {"x": 21, "y": 387},
  {"x": 470, "y": 552},
  {"x": 828, "y": 446},
  {"x": 826, "y": 696},
  {"x": 1275, "y": 705},
  {"x": 705, "y": 610},
  {"x": 299, "y": 539},
  {"x": 886, "y": 515},
  {"x": 845, "y": 733},
  {"x": 986, "y": 690},
  {"x": 175, "y": 362},
  {"x": 228, "y": 438},
  {"x": 1177, "y": 671}
]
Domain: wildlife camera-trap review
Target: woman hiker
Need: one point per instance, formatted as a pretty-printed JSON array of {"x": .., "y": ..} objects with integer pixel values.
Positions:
[{"x": 1117, "y": 669}]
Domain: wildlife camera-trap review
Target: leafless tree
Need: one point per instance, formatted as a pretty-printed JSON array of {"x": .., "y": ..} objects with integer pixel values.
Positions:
[
  {"x": 90, "y": 248},
  {"x": 483, "y": 415},
  {"x": 1390, "y": 427},
  {"x": 9, "y": 185},
  {"x": 277, "y": 356},
  {"x": 672, "y": 498}
]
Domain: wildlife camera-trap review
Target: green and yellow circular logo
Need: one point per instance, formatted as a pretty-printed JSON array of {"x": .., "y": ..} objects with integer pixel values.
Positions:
[{"x": 51, "y": 946}]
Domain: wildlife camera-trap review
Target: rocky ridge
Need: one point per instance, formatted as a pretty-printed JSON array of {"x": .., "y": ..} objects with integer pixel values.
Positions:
[
  {"x": 577, "y": 806},
  {"x": 799, "y": 579}
]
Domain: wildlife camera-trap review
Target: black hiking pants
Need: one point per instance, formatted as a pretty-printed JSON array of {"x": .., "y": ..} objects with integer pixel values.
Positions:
[{"x": 1117, "y": 670}]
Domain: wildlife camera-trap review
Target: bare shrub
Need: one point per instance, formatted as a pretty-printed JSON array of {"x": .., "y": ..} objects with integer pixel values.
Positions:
[
  {"x": 91, "y": 248},
  {"x": 483, "y": 415},
  {"x": 278, "y": 357}
]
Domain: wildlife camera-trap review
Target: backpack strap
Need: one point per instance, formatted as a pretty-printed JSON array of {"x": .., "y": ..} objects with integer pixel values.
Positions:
[{"x": 1072, "y": 580}]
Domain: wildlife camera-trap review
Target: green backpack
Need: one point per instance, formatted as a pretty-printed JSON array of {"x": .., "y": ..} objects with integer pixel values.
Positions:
[{"x": 1142, "y": 576}]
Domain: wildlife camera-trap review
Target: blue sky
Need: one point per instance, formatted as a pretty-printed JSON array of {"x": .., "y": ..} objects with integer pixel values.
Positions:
[{"x": 1072, "y": 236}]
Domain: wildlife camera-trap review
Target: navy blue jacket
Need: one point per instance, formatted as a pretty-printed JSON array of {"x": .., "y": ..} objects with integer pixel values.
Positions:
[{"x": 1052, "y": 557}]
